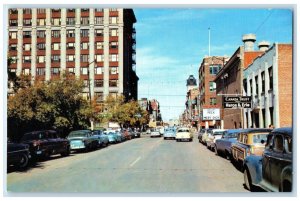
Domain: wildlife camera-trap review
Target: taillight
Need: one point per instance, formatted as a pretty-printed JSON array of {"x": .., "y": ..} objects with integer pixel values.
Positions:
[{"x": 36, "y": 143}]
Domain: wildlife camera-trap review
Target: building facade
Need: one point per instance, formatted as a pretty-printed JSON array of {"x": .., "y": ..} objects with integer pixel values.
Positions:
[
  {"x": 229, "y": 81},
  {"x": 208, "y": 69},
  {"x": 96, "y": 45},
  {"x": 191, "y": 109},
  {"x": 269, "y": 80}
]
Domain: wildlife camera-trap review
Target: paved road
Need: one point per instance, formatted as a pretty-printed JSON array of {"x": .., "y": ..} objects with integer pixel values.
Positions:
[{"x": 144, "y": 165}]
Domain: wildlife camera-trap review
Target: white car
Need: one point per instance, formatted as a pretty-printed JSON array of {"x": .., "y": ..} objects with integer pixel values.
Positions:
[
  {"x": 155, "y": 133},
  {"x": 183, "y": 134},
  {"x": 212, "y": 136}
]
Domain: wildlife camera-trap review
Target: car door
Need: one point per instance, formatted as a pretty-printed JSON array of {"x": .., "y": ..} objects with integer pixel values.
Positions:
[{"x": 266, "y": 157}]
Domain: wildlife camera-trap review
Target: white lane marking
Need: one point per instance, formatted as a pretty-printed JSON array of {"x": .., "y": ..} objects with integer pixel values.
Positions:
[{"x": 134, "y": 162}]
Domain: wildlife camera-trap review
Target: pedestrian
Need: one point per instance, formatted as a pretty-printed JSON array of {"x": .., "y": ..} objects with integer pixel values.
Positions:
[{"x": 271, "y": 126}]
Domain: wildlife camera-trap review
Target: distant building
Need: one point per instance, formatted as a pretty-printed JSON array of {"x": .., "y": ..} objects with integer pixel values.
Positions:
[
  {"x": 191, "y": 110},
  {"x": 95, "y": 44},
  {"x": 269, "y": 80}
]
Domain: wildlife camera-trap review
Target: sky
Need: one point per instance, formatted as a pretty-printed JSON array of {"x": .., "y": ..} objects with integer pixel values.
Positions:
[{"x": 171, "y": 43}]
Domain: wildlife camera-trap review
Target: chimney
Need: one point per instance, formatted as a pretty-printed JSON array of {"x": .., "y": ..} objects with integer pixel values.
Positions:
[
  {"x": 263, "y": 46},
  {"x": 249, "y": 40}
]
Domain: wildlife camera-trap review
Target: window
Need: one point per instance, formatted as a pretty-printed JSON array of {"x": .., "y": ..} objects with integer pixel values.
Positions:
[
  {"x": 84, "y": 21},
  {"x": 98, "y": 32},
  {"x": 99, "y": 10},
  {"x": 113, "y": 9},
  {"x": 288, "y": 144},
  {"x": 98, "y": 20},
  {"x": 27, "y": 34},
  {"x": 245, "y": 85},
  {"x": 41, "y": 10},
  {"x": 41, "y": 22},
  {"x": 26, "y": 59},
  {"x": 214, "y": 69},
  {"x": 40, "y": 46},
  {"x": 113, "y": 70},
  {"x": 270, "y": 70},
  {"x": 256, "y": 85},
  {"x": 26, "y": 11},
  {"x": 13, "y": 47},
  {"x": 26, "y": 71},
  {"x": 70, "y": 46},
  {"x": 71, "y": 58},
  {"x": 71, "y": 33},
  {"x": 263, "y": 82},
  {"x": 40, "y": 34},
  {"x": 113, "y": 32},
  {"x": 84, "y": 10},
  {"x": 212, "y": 86},
  {"x": 71, "y": 10},
  {"x": 70, "y": 21},
  {"x": 14, "y": 59},
  {"x": 83, "y": 70},
  {"x": 98, "y": 71},
  {"x": 113, "y": 45},
  {"x": 40, "y": 71},
  {"x": 55, "y": 34},
  {"x": 213, "y": 101},
  {"x": 55, "y": 21},
  {"x": 54, "y": 71},
  {"x": 259, "y": 137},
  {"x": 27, "y": 22},
  {"x": 84, "y": 33},
  {"x": 84, "y": 46},
  {"x": 113, "y": 20},
  {"x": 13, "y": 35},
  {"x": 55, "y": 10},
  {"x": 98, "y": 83},
  {"x": 269, "y": 141},
  {"x": 113, "y": 57},
  {"x": 99, "y": 45},
  {"x": 112, "y": 83},
  {"x": 71, "y": 70},
  {"x": 84, "y": 58},
  {"x": 55, "y": 58},
  {"x": 27, "y": 47},
  {"x": 40, "y": 59},
  {"x": 13, "y": 22},
  {"x": 13, "y": 11},
  {"x": 278, "y": 143},
  {"x": 99, "y": 58},
  {"x": 55, "y": 46},
  {"x": 251, "y": 87}
]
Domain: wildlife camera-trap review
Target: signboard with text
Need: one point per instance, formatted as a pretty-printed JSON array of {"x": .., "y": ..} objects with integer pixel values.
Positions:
[
  {"x": 235, "y": 102},
  {"x": 211, "y": 114}
]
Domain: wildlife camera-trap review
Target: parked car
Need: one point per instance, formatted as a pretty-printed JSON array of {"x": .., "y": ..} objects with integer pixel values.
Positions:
[
  {"x": 126, "y": 134},
  {"x": 161, "y": 130},
  {"x": 121, "y": 135},
  {"x": 136, "y": 133},
  {"x": 184, "y": 133},
  {"x": 201, "y": 133},
  {"x": 249, "y": 142},
  {"x": 223, "y": 145},
  {"x": 170, "y": 133},
  {"x": 45, "y": 143},
  {"x": 273, "y": 171},
  {"x": 213, "y": 135},
  {"x": 154, "y": 132},
  {"x": 204, "y": 135},
  {"x": 102, "y": 139},
  {"x": 18, "y": 155},
  {"x": 113, "y": 137},
  {"x": 82, "y": 140}
]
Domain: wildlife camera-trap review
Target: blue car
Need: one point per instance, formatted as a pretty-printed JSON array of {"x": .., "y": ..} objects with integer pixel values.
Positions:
[
  {"x": 102, "y": 138},
  {"x": 170, "y": 133},
  {"x": 113, "y": 137}
]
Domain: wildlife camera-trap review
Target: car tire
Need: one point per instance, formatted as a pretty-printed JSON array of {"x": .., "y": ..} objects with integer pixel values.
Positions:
[
  {"x": 216, "y": 151},
  {"x": 66, "y": 152},
  {"x": 23, "y": 161},
  {"x": 165, "y": 138},
  {"x": 247, "y": 180}
]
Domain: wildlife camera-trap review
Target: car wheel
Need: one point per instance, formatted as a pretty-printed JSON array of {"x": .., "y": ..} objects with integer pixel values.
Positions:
[
  {"x": 23, "y": 161},
  {"x": 165, "y": 138},
  {"x": 216, "y": 151},
  {"x": 247, "y": 180},
  {"x": 66, "y": 152}
]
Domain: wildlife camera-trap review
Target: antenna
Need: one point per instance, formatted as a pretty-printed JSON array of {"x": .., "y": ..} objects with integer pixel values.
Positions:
[{"x": 209, "y": 41}]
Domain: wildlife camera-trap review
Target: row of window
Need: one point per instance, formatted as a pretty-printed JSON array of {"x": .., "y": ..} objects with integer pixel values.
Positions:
[
  {"x": 56, "y": 33},
  {"x": 43, "y": 10}
]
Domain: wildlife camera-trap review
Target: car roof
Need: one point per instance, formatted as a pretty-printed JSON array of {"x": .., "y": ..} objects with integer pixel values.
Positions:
[
  {"x": 234, "y": 130},
  {"x": 256, "y": 130},
  {"x": 284, "y": 130},
  {"x": 36, "y": 132}
]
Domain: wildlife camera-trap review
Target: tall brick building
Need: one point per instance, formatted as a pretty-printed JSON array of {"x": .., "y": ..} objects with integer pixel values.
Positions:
[
  {"x": 95, "y": 44},
  {"x": 269, "y": 80}
]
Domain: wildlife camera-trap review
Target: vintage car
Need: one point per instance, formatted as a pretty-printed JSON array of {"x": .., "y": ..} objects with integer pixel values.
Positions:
[
  {"x": 126, "y": 134},
  {"x": 102, "y": 138},
  {"x": 273, "y": 171},
  {"x": 202, "y": 132},
  {"x": 249, "y": 142},
  {"x": 154, "y": 132},
  {"x": 223, "y": 145},
  {"x": 136, "y": 133},
  {"x": 213, "y": 135},
  {"x": 18, "y": 155},
  {"x": 184, "y": 134},
  {"x": 45, "y": 143},
  {"x": 112, "y": 136},
  {"x": 121, "y": 135},
  {"x": 82, "y": 140},
  {"x": 170, "y": 133}
]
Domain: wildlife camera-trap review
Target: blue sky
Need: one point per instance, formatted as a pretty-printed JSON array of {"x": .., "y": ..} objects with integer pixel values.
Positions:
[{"x": 171, "y": 44}]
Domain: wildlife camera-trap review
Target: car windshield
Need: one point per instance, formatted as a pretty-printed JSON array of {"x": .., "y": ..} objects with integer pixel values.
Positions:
[
  {"x": 231, "y": 135},
  {"x": 169, "y": 130},
  {"x": 219, "y": 133},
  {"x": 183, "y": 130},
  {"x": 258, "y": 137},
  {"x": 78, "y": 134}
]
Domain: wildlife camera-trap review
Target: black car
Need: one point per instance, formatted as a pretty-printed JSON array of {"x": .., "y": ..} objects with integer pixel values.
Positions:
[
  {"x": 45, "y": 143},
  {"x": 18, "y": 155}
]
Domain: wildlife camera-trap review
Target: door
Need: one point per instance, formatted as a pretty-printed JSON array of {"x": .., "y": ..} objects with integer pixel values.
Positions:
[{"x": 266, "y": 169}]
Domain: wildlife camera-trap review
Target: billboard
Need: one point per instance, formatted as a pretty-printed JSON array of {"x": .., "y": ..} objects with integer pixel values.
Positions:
[{"x": 211, "y": 114}]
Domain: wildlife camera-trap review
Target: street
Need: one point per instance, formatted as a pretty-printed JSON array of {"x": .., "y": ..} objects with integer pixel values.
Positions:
[{"x": 143, "y": 165}]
